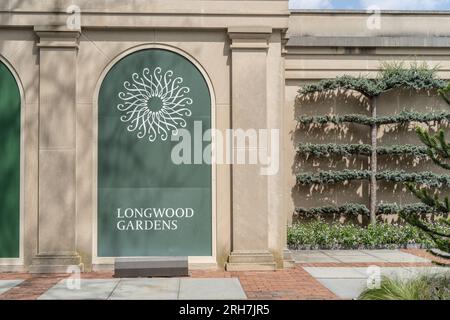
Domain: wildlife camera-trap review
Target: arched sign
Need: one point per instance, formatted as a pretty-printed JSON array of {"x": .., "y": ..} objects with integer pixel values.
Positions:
[
  {"x": 9, "y": 164},
  {"x": 150, "y": 204}
]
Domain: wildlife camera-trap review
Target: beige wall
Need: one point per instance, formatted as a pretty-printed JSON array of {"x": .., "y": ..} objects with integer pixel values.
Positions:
[
  {"x": 310, "y": 63},
  {"x": 60, "y": 228},
  {"x": 335, "y": 23},
  {"x": 248, "y": 37},
  {"x": 98, "y": 51}
]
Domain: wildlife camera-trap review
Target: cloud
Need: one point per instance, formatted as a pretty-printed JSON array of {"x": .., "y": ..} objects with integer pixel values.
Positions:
[
  {"x": 405, "y": 4},
  {"x": 310, "y": 4}
]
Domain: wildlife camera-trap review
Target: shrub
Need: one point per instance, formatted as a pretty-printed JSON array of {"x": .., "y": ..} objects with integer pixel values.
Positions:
[
  {"x": 319, "y": 234},
  {"x": 424, "y": 287}
]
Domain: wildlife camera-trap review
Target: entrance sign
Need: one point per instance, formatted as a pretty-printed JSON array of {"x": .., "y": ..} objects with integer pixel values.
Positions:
[
  {"x": 9, "y": 164},
  {"x": 155, "y": 104},
  {"x": 147, "y": 204}
]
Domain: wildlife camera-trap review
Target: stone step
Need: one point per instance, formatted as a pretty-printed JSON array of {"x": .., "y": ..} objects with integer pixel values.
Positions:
[
  {"x": 251, "y": 266},
  {"x": 254, "y": 258},
  {"x": 57, "y": 260},
  {"x": 54, "y": 268},
  {"x": 151, "y": 267}
]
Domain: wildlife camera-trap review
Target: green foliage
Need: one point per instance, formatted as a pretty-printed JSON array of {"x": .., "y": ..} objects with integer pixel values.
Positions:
[
  {"x": 429, "y": 199},
  {"x": 331, "y": 177},
  {"x": 322, "y": 120},
  {"x": 401, "y": 118},
  {"x": 439, "y": 152},
  {"x": 355, "y": 209},
  {"x": 437, "y": 148},
  {"x": 415, "y": 77},
  {"x": 444, "y": 93},
  {"x": 408, "y": 209},
  {"x": 319, "y": 234},
  {"x": 364, "y": 85},
  {"x": 326, "y": 150},
  {"x": 405, "y": 150},
  {"x": 429, "y": 179},
  {"x": 424, "y": 287}
]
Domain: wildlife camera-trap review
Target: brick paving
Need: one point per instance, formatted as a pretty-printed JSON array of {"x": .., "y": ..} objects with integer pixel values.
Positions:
[
  {"x": 288, "y": 284},
  {"x": 32, "y": 287},
  {"x": 427, "y": 255},
  {"x": 291, "y": 284}
]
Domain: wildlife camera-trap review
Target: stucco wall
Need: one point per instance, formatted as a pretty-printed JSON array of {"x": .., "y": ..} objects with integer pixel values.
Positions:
[
  {"x": 316, "y": 59},
  {"x": 255, "y": 55}
]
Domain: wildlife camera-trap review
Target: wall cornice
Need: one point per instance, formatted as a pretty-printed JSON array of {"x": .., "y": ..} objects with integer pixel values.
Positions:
[
  {"x": 57, "y": 37},
  {"x": 249, "y": 38},
  {"x": 148, "y": 13}
]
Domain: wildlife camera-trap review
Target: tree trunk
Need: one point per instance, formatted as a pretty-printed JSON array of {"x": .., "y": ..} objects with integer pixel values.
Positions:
[{"x": 373, "y": 164}]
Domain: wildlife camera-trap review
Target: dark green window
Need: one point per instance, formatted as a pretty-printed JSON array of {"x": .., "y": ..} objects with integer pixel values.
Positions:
[
  {"x": 148, "y": 205},
  {"x": 9, "y": 164}
]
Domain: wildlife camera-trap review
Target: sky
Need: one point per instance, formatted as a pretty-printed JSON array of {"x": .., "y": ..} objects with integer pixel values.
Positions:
[{"x": 372, "y": 4}]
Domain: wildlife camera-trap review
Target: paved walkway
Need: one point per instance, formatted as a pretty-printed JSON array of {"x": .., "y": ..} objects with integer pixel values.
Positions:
[
  {"x": 347, "y": 273},
  {"x": 357, "y": 256},
  {"x": 146, "y": 289},
  {"x": 319, "y": 275},
  {"x": 291, "y": 284}
]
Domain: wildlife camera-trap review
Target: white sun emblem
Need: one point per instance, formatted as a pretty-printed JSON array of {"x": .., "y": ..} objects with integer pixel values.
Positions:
[{"x": 155, "y": 104}]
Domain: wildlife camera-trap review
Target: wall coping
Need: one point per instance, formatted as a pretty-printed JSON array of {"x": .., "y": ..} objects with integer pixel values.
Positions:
[
  {"x": 368, "y": 12},
  {"x": 370, "y": 42}
]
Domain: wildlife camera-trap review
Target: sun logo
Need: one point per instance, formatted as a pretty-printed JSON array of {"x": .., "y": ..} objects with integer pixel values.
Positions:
[{"x": 155, "y": 104}]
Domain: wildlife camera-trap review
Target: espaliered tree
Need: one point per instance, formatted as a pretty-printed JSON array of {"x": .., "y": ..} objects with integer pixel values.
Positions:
[
  {"x": 416, "y": 77},
  {"x": 438, "y": 150}
]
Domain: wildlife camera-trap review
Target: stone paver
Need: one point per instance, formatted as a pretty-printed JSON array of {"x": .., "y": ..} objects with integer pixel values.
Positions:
[
  {"x": 427, "y": 255},
  {"x": 356, "y": 256},
  {"x": 211, "y": 289},
  {"x": 348, "y": 278},
  {"x": 146, "y": 289},
  {"x": 288, "y": 284},
  {"x": 337, "y": 273},
  {"x": 397, "y": 256},
  {"x": 318, "y": 275},
  {"x": 390, "y": 272},
  {"x": 90, "y": 289},
  {"x": 315, "y": 256},
  {"x": 32, "y": 287},
  {"x": 360, "y": 258},
  {"x": 6, "y": 285},
  {"x": 348, "y": 283},
  {"x": 428, "y": 271},
  {"x": 345, "y": 288},
  {"x": 340, "y": 253}
]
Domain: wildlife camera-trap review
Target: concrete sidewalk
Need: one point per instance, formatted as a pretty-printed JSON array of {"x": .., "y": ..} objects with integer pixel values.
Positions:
[
  {"x": 349, "y": 283},
  {"x": 146, "y": 289},
  {"x": 356, "y": 256},
  {"x": 347, "y": 273},
  {"x": 319, "y": 275},
  {"x": 6, "y": 285}
]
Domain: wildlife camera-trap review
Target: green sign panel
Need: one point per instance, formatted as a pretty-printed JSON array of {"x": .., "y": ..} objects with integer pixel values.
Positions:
[
  {"x": 149, "y": 204},
  {"x": 9, "y": 164}
]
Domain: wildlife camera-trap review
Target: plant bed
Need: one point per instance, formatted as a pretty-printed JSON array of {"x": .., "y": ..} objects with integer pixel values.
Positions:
[
  {"x": 423, "y": 287},
  {"x": 360, "y": 247},
  {"x": 320, "y": 235}
]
